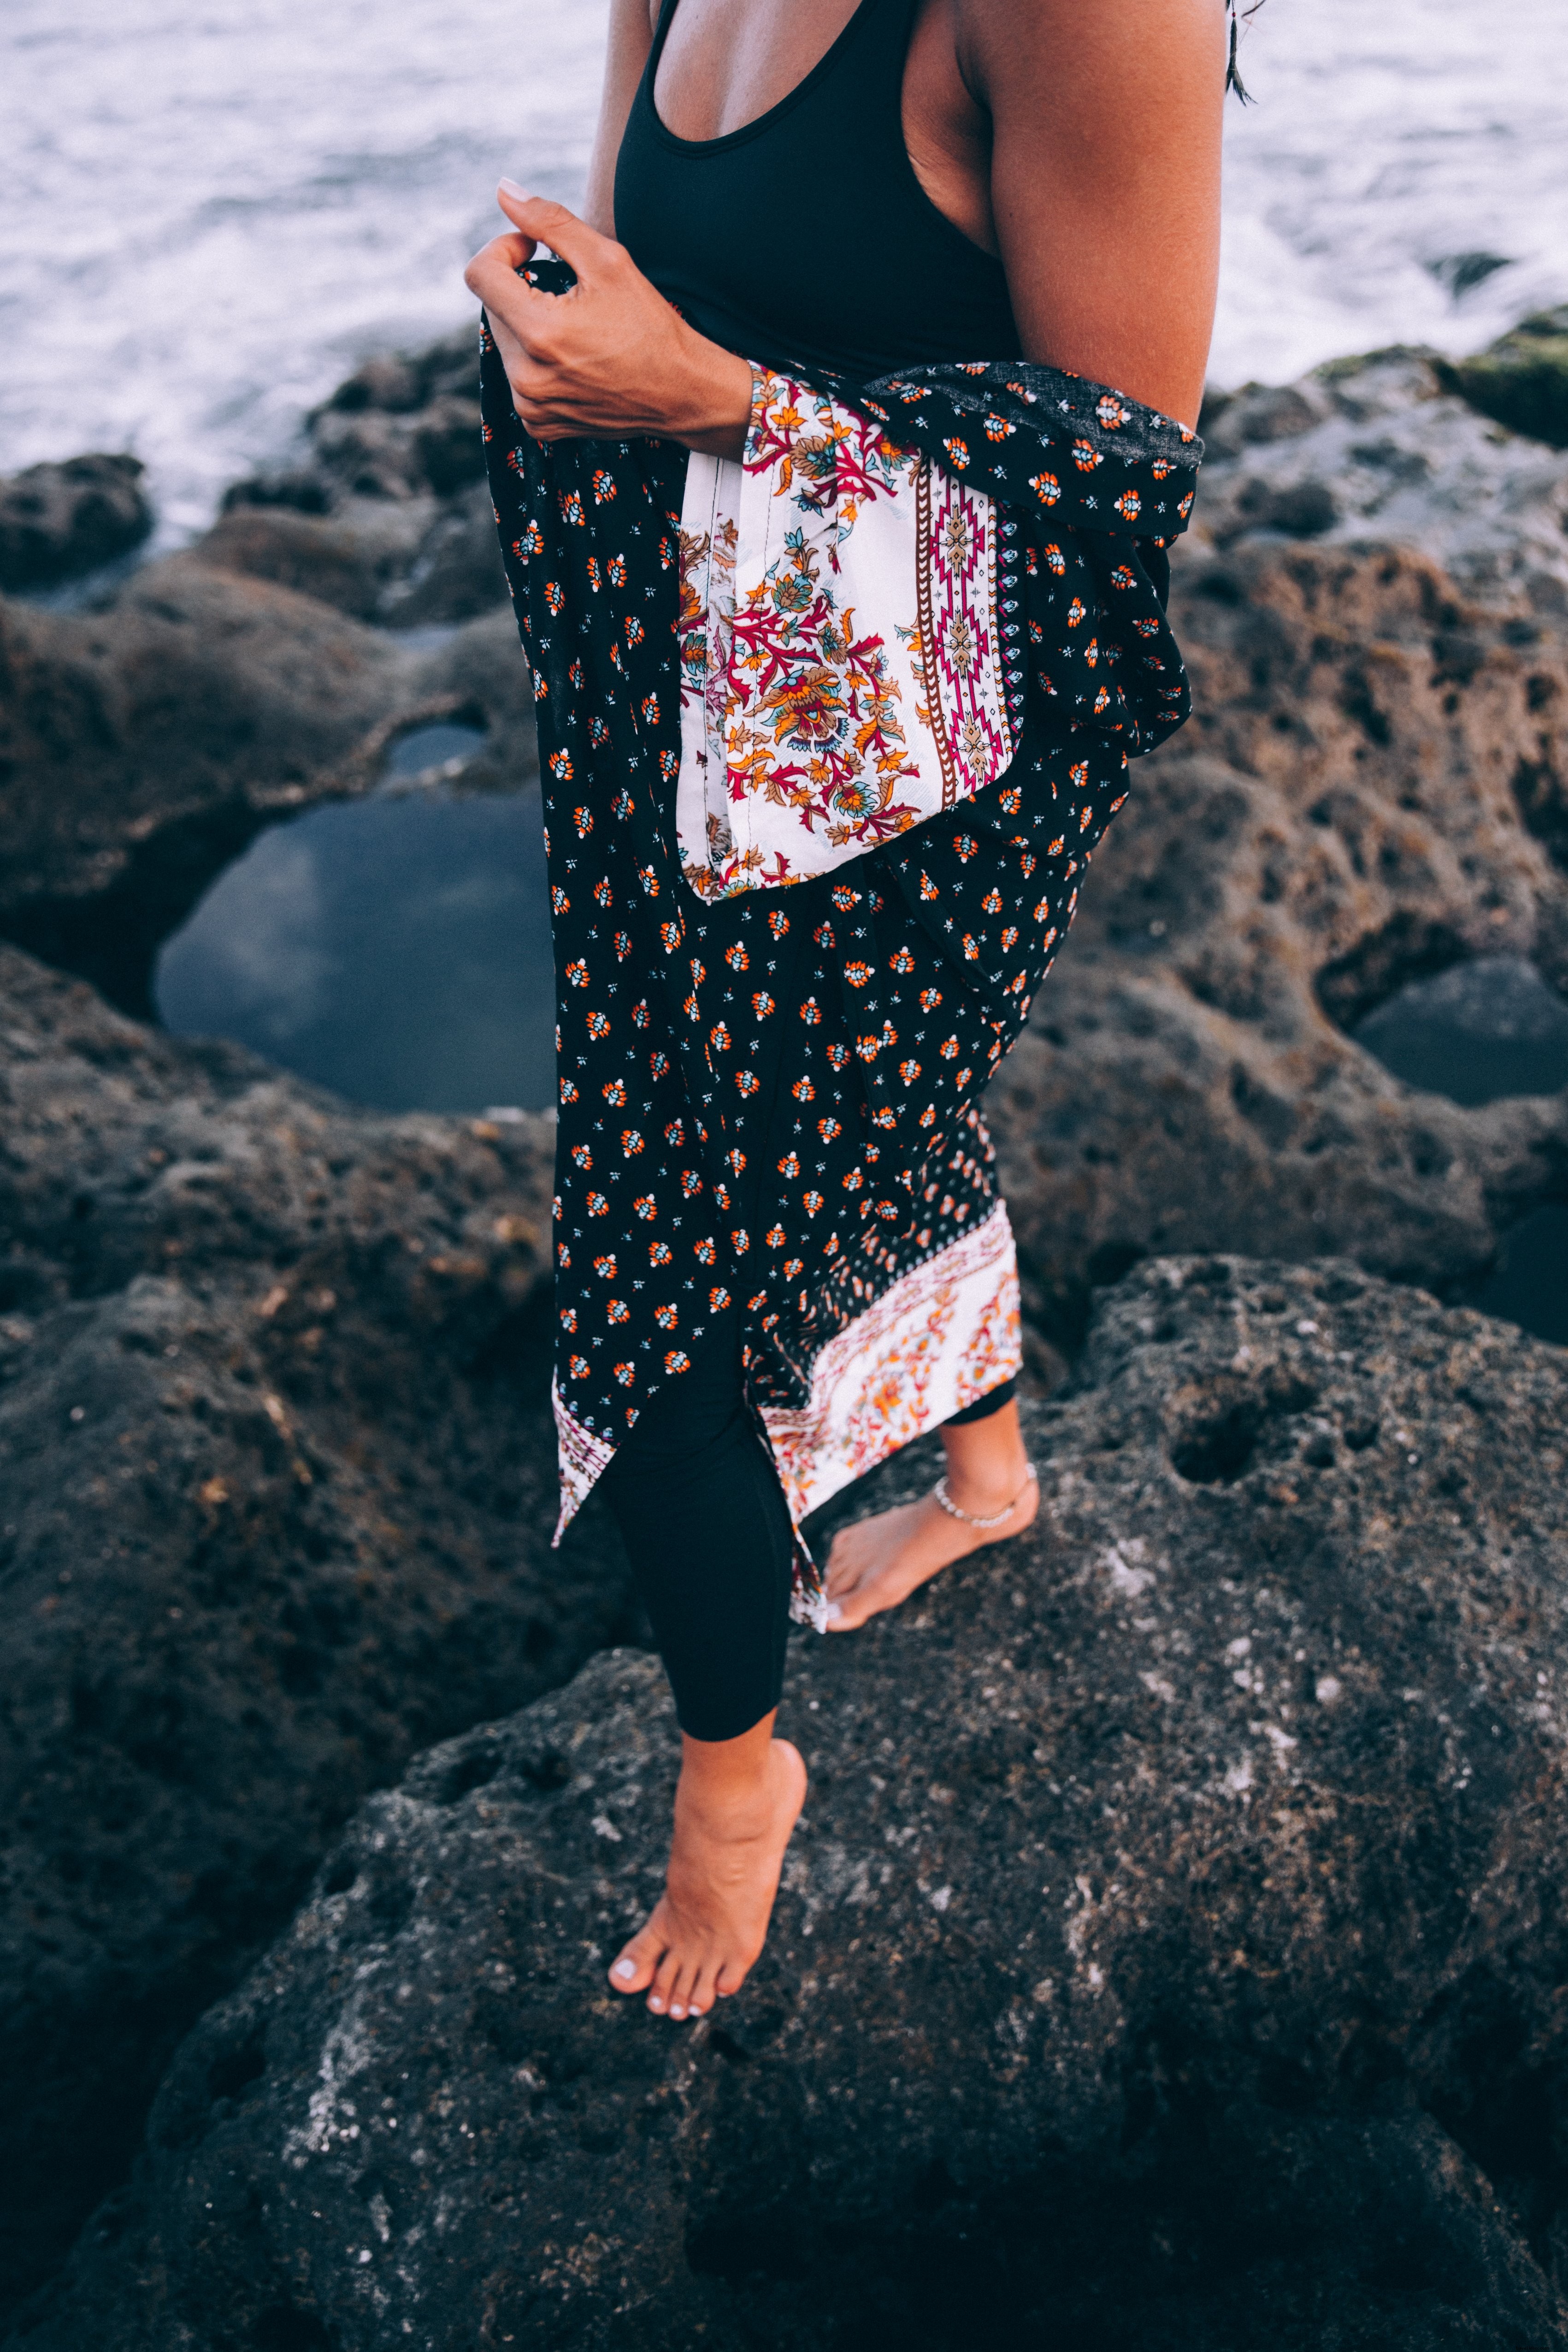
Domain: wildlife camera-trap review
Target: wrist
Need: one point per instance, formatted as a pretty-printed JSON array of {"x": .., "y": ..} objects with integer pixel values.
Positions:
[{"x": 715, "y": 412}]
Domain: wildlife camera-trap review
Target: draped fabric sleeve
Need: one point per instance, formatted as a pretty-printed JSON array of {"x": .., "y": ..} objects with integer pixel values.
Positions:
[{"x": 768, "y": 1095}]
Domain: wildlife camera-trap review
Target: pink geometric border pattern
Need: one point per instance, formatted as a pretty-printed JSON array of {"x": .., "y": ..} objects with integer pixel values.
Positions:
[{"x": 956, "y": 566}]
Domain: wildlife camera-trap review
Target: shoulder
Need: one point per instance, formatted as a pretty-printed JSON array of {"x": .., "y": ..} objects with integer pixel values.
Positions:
[{"x": 1103, "y": 62}]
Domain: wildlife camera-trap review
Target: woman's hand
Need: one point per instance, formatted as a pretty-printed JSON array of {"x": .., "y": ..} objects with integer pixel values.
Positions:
[{"x": 610, "y": 357}]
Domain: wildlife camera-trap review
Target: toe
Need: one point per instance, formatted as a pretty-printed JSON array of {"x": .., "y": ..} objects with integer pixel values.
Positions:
[
  {"x": 732, "y": 1976},
  {"x": 700, "y": 1998},
  {"x": 841, "y": 1570},
  {"x": 682, "y": 1990},
  {"x": 662, "y": 1990},
  {"x": 634, "y": 1970}
]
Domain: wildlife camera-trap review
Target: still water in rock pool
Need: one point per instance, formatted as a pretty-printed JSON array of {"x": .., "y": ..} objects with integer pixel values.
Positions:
[
  {"x": 395, "y": 948},
  {"x": 1475, "y": 1033}
]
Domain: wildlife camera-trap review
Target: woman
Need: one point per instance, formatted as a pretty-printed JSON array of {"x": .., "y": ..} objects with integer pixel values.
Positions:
[{"x": 810, "y": 860}]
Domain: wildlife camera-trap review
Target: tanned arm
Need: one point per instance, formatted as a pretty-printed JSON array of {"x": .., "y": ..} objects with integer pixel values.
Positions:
[{"x": 1105, "y": 169}]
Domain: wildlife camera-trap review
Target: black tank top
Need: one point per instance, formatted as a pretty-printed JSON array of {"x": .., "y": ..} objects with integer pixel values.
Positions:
[{"x": 805, "y": 235}]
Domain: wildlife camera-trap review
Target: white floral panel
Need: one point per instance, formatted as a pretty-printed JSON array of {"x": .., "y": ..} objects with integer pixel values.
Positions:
[
  {"x": 940, "y": 1338},
  {"x": 841, "y": 659}
]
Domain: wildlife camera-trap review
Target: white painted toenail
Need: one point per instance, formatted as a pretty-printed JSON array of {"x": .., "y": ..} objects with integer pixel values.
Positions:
[
  {"x": 657, "y": 2006},
  {"x": 625, "y": 1968},
  {"x": 832, "y": 1613},
  {"x": 676, "y": 2009}
]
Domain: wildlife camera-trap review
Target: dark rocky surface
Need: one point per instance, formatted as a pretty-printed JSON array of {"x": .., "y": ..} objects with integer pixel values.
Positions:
[
  {"x": 1373, "y": 787},
  {"x": 1386, "y": 446},
  {"x": 59, "y": 520},
  {"x": 1095, "y": 2007},
  {"x": 141, "y": 747},
  {"x": 276, "y": 1484},
  {"x": 1171, "y": 1952},
  {"x": 389, "y": 517}
]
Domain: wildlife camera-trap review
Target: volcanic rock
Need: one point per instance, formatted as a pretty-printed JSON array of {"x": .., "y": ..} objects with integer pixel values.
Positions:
[
  {"x": 1373, "y": 787},
  {"x": 408, "y": 563},
  {"x": 1385, "y": 447},
  {"x": 59, "y": 520},
  {"x": 143, "y": 746},
  {"x": 407, "y": 421},
  {"x": 390, "y": 519},
  {"x": 276, "y": 1487},
  {"x": 1170, "y": 1953}
]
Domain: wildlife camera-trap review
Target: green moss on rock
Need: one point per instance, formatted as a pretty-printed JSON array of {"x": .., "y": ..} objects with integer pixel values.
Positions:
[{"x": 1522, "y": 378}]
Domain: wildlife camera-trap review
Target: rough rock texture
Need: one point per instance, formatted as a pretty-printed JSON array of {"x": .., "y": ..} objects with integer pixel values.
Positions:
[
  {"x": 390, "y": 518},
  {"x": 1171, "y": 1954},
  {"x": 59, "y": 520},
  {"x": 407, "y": 421},
  {"x": 1374, "y": 786},
  {"x": 276, "y": 1484},
  {"x": 1522, "y": 378},
  {"x": 406, "y": 564},
  {"x": 1383, "y": 448},
  {"x": 143, "y": 746}
]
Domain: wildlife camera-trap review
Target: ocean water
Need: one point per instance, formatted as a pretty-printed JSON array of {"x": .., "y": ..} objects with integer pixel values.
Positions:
[{"x": 211, "y": 209}]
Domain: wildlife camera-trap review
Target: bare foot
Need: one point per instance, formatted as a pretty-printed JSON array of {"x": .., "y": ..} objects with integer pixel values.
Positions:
[
  {"x": 733, "y": 1816},
  {"x": 878, "y": 1562}
]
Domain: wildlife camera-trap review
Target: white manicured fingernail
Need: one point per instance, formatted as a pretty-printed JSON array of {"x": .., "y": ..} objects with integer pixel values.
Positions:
[
  {"x": 523, "y": 196},
  {"x": 625, "y": 1968}
]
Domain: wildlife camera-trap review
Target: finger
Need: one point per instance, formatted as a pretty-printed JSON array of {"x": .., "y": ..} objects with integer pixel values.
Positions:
[
  {"x": 493, "y": 275},
  {"x": 501, "y": 258},
  {"x": 582, "y": 248}
]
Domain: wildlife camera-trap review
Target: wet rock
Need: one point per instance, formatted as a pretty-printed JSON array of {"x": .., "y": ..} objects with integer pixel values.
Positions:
[
  {"x": 145, "y": 745},
  {"x": 391, "y": 520},
  {"x": 1385, "y": 447},
  {"x": 1480, "y": 1028},
  {"x": 1374, "y": 789},
  {"x": 1232, "y": 422},
  {"x": 141, "y": 747},
  {"x": 58, "y": 520},
  {"x": 348, "y": 558},
  {"x": 1169, "y": 1953},
  {"x": 1522, "y": 378},
  {"x": 1304, "y": 509},
  {"x": 409, "y": 563},
  {"x": 374, "y": 455},
  {"x": 1459, "y": 273},
  {"x": 276, "y": 1487}
]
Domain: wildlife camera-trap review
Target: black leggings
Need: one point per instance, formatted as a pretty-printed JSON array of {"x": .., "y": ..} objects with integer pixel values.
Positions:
[{"x": 705, "y": 1521}]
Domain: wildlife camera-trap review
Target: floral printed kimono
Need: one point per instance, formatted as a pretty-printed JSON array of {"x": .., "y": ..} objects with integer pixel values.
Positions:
[{"x": 827, "y": 738}]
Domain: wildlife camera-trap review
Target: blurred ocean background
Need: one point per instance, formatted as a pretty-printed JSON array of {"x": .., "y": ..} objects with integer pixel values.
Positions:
[{"x": 213, "y": 208}]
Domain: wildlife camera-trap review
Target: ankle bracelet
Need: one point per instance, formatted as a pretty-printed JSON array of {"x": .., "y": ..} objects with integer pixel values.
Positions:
[{"x": 974, "y": 1518}]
